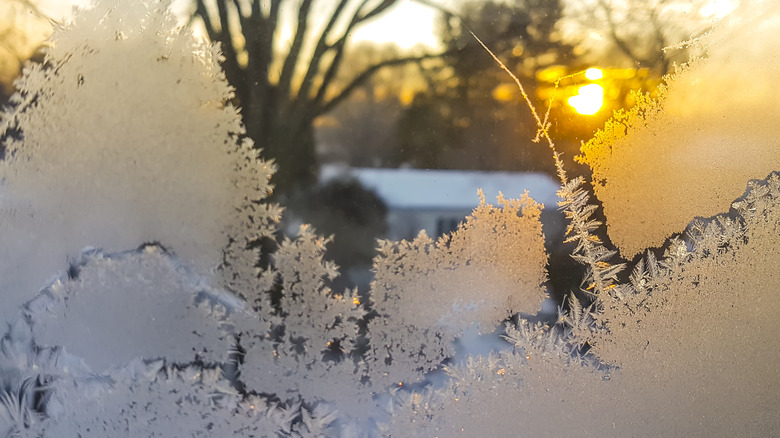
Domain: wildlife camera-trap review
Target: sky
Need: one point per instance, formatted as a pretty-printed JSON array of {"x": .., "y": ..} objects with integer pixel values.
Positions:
[{"x": 407, "y": 24}]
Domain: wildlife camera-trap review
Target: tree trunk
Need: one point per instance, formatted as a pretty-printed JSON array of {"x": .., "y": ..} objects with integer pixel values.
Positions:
[{"x": 286, "y": 138}]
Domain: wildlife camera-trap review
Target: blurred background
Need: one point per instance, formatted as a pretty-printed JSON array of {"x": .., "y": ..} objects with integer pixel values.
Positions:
[{"x": 385, "y": 116}]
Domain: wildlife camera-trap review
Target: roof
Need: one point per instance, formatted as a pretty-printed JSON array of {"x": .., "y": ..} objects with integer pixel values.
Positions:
[{"x": 446, "y": 189}]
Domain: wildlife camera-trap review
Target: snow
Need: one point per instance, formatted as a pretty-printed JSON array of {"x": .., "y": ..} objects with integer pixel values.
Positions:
[{"x": 446, "y": 189}]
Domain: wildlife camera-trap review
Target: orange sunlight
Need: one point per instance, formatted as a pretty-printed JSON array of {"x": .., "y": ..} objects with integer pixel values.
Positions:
[{"x": 589, "y": 100}]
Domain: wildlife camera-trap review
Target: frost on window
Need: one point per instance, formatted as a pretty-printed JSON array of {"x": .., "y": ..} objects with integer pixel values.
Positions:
[
  {"x": 307, "y": 351},
  {"x": 687, "y": 346},
  {"x": 507, "y": 395},
  {"x": 690, "y": 152},
  {"x": 696, "y": 327},
  {"x": 684, "y": 343},
  {"x": 425, "y": 295},
  {"x": 428, "y": 292},
  {"x": 127, "y": 140},
  {"x": 117, "y": 308}
]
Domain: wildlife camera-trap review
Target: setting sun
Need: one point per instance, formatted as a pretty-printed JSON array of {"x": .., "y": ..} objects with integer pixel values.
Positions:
[
  {"x": 589, "y": 100},
  {"x": 594, "y": 73}
]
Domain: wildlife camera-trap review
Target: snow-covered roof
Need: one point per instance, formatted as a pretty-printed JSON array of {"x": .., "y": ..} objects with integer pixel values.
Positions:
[{"x": 446, "y": 189}]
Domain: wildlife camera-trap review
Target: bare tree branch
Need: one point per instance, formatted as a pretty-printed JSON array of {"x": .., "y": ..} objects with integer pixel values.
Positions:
[
  {"x": 377, "y": 10},
  {"x": 293, "y": 55},
  {"x": 240, "y": 8},
  {"x": 339, "y": 46},
  {"x": 226, "y": 39},
  {"x": 660, "y": 40},
  {"x": 621, "y": 44},
  {"x": 220, "y": 32},
  {"x": 200, "y": 11},
  {"x": 319, "y": 51},
  {"x": 261, "y": 97},
  {"x": 277, "y": 116},
  {"x": 367, "y": 73}
]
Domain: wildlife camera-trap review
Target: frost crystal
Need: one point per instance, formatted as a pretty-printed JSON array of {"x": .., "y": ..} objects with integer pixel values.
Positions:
[
  {"x": 691, "y": 337},
  {"x": 313, "y": 330},
  {"x": 126, "y": 139},
  {"x": 427, "y": 293},
  {"x": 666, "y": 161},
  {"x": 123, "y": 307},
  {"x": 203, "y": 340}
]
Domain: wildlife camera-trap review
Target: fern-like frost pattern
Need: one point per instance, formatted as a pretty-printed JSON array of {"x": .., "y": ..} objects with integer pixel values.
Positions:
[{"x": 194, "y": 333}]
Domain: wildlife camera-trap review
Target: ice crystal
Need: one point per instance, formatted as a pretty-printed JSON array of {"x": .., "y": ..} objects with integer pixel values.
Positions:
[
  {"x": 690, "y": 336},
  {"x": 428, "y": 292},
  {"x": 683, "y": 154},
  {"x": 306, "y": 352},
  {"x": 139, "y": 304},
  {"x": 112, "y": 158},
  {"x": 193, "y": 336}
]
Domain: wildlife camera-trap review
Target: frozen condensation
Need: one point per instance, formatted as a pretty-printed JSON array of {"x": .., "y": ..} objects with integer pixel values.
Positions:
[
  {"x": 690, "y": 152},
  {"x": 430, "y": 292},
  {"x": 687, "y": 347},
  {"x": 135, "y": 305},
  {"x": 127, "y": 141},
  {"x": 126, "y": 138}
]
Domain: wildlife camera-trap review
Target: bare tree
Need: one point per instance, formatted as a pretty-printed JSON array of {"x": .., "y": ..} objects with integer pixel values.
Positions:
[
  {"x": 472, "y": 118},
  {"x": 281, "y": 88},
  {"x": 644, "y": 31}
]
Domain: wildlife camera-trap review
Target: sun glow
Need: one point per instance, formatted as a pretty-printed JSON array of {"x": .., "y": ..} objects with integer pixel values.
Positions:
[
  {"x": 594, "y": 73},
  {"x": 406, "y": 24},
  {"x": 717, "y": 9},
  {"x": 589, "y": 100}
]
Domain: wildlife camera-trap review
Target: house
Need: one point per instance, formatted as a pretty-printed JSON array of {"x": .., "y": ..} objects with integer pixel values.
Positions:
[{"x": 438, "y": 200}]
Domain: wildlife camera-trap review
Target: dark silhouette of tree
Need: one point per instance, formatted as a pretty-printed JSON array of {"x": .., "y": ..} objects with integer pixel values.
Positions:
[
  {"x": 522, "y": 33},
  {"x": 361, "y": 131},
  {"x": 645, "y": 32},
  {"x": 280, "y": 93},
  {"x": 477, "y": 121}
]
